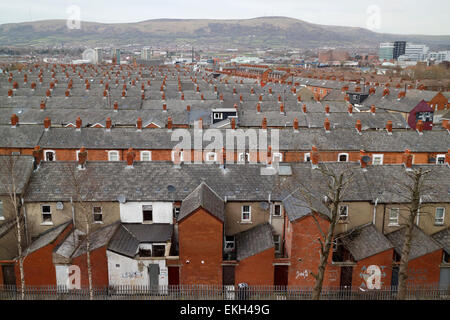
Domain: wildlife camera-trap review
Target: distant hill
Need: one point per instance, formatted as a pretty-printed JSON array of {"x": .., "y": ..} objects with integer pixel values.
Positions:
[{"x": 257, "y": 32}]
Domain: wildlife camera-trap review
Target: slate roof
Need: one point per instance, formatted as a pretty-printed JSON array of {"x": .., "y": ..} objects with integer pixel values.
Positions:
[
  {"x": 128, "y": 236},
  {"x": 364, "y": 241},
  {"x": 98, "y": 239},
  {"x": 443, "y": 237},
  {"x": 23, "y": 136},
  {"x": 421, "y": 244},
  {"x": 203, "y": 196},
  {"x": 47, "y": 237},
  {"x": 254, "y": 241},
  {"x": 22, "y": 166}
]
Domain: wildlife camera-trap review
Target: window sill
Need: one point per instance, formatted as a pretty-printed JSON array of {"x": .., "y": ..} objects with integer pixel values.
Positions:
[
  {"x": 46, "y": 223},
  {"x": 280, "y": 216},
  {"x": 98, "y": 222},
  {"x": 246, "y": 222},
  {"x": 393, "y": 225},
  {"x": 436, "y": 224}
]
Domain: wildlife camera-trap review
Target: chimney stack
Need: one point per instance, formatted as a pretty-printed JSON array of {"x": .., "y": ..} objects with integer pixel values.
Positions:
[
  {"x": 419, "y": 127},
  {"x": 282, "y": 108},
  {"x": 14, "y": 120},
  {"x": 295, "y": 124},
  {"x": 389, "y": 127},
  {"x": 358, "y": 126},
  {"x": 224, "y": 158},
  {"x": 264, "y": 123},
  {"x": 407, "y": 159},
  {"x": 38, "y": 155},
  {"x": 200, "y": 124},
  {"x": 130, "y": 158},
  {"x": 169, "y": 123},
  {"x": 164, "y": 107},
  {"x": 42, "y": 106},
  {"x": 304, "y": 108},
  {"x": 314, "y": 157},
  {"x": 326, "y": 124},
  {"x": 372, "y": 110},
  {"x": 269, "y": 156},
  {"x": 233, "y": 123},
  {"x": 362, "y": 163},
  {"x": 47, "y": 123},
  {"x": 188, "y": 108},
  {"x": 139, "y": 124},
  {"x": 108, "y": 124},
  {"x": 350, "y": 110},
  {"x": 78, "y": 124},
  {"x": 177, "y": 158},
  {"x": 258, "y": 108},
  {"x": 116, "y": 106},
  {"x": 327, "y": 109},
  {"x": 82, "y": 157}
]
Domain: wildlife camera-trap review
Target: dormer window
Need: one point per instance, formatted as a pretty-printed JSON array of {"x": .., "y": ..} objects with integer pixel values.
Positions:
[
  {"x": 307, "y": 157},
  {"x": 146, "y": 156},
  {"x": 244, "y": 157},
  {"x": 113, "y": 155},
  {"x": 218, "y": 116},
  {"x": 50, "y": 155},
  {"x": 147, "y": 213},
  {"x": 343, "y": 157},
  {"x": 440, "y": 159}
]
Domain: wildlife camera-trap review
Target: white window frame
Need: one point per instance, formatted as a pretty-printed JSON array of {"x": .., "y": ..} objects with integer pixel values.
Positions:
[
  {"x": 392, "y": 221},
  {"x": 281, "y": 210},
  {"x": 153, "y": 214},
  {"x": 113, "y": 152},
  {"x": 77, "y": 153},
  {"x": 181, "y": 155},
  {"x": 277, "y": 155},
  {"x": 246, "y": 157},
  {"x": 96, "y": 213},
  {"x": 208, "y": 154},
  {"x": 2, "y": 216},
  {"x": 341, "y": 217},
  {"x": 440, "y": 156},
  {"x": 230, "y": 242},
  {"x": 306, "y": 156},
  {"x": 249, "y": 213},
  {"x": 46, "y": 222},
  {"x": 436, "y": 222},
  {"x": 343, "y": 154},
  {"x": 380, "y": 156},
  {"x": 218, "y": 116},
  {"x": 149, "y": 153},
  {"x": 53, "y": 152}
]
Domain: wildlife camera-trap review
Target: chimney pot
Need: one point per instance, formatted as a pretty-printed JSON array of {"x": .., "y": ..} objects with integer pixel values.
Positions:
[
  {"x": 295, "y": 124},
  {"x": 169, "y": 123},
  {"x": 14, "y": 120},
  {"x": 264, "y": 123},
  {"x": 358, "y": 126},
  {"x": 389, "y": 126},
  {"x": 327, "y": 125},
  {"x": 304, "y": 108},
  {"x": 78, "y": 124},
  {"x": 139, "y": 124},
  {"x": 47, "y": 123},
  {"x": 350, "y": 109},
  {"x": 407, "y": 159},
  {"x": 372, "y": 109},
  {"x": 233, "y": 123},
  {"x": 281, "y": 108},
  {"x": 419, "y": 127}
]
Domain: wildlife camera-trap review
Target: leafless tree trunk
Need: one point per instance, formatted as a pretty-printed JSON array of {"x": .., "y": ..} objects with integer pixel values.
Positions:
[
  {"x": 8, "y": 179},
  {"x": 417, "y": 178}
]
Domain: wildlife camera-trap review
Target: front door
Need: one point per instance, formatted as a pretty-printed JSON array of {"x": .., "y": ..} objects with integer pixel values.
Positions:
[
  {"x": 153, "y": 276},
  {"x": 346, "y": 277},
  {"x": 9, "y": 276},
  {"x": 281, "y": 275},
  {"x": 228, "y": 276}
]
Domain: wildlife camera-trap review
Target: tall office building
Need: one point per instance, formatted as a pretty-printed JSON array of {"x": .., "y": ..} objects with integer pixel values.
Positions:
[
  {"x": 116, "y": 55},
  {"x": 98, "y": 56},
  {"x": 399, "y": 49},
  {"x": 146, "y": 54},
  {"x": 386, "y": 51}
]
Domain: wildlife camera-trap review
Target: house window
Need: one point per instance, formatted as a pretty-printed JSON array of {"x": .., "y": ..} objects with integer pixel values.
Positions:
[
  {"x": 276, "y": 241},
  {"x": 343, "y": 213},
  {"x": 307, "y": 157},
  {"x": 218, "y": 116},
  {"x": 158, "y": 250},
  {"x": 440, "y": 159},
  {"x": 439, "y": 217},
  {"x": 211, "y": 156},
  {"x": 377, "y": 159},
  {"x": 147, "y": 213},
  {"x": 50, "y": 156},
  {"x": 2, "y": 217},
  {"x": 343, "y": 157},
  {"x": 393, "y": 216},
  {"x": 77, "y": 153},
  {"x": 98, "y": 216},
  {"x": 246, "y": 213},
  {"x": 176, "y": 212},
  {"x": 146, "y": 156},
  {"x": 277, "y": 157},
  {"x": 277, "y": 210},
  {"x": 46, "y": 214},
  {"x": 244, "y": 157},
  {"x": 173, "y": 155},
  {"x": 229, "y": 242},
  {"x": 113, "y": 156},
  {"x": 145, "y": 250}
]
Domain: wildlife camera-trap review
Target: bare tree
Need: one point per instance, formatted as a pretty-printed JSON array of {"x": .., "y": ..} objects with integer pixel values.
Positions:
[
  {"x": 10, "y": 172},
  {"x": 82, "y": 186},
  {"x": 324, "y": 194}
]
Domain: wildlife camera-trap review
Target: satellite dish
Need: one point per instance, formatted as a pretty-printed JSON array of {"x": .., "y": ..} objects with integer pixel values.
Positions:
[
  {"x": 121, "y": 198},
  {"x": 59, "y": 205},
  {"x": 365, "y": 159}
]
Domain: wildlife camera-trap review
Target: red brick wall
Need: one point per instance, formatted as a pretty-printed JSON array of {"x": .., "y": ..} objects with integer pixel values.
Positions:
[
  {"x": 99, "y": 267},
  {"x": 257, "y": 269},
  {"x": 382, "y": 260},
  {"x": 425, "y": 270},
  {"x": 200, "y": 238},
  {"x": 303, "y": 244},
  {"x": 38, "y": 266}
]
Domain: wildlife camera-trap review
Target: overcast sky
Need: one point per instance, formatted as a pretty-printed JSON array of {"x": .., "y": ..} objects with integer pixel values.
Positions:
[{"x": 390, "y": 16}]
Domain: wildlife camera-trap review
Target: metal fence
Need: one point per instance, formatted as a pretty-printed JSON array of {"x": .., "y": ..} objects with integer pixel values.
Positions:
[{"x": 211, "y": 292}]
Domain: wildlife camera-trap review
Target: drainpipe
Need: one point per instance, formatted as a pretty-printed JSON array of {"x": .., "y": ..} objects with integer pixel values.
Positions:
[
  {"x": 384, "y": 214},
  {"x": 375, "y": 211},
  {"x": 418, "y": 211},
  {"x": 25, "y": 222},
  {"x": 270, "y": 210}
]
